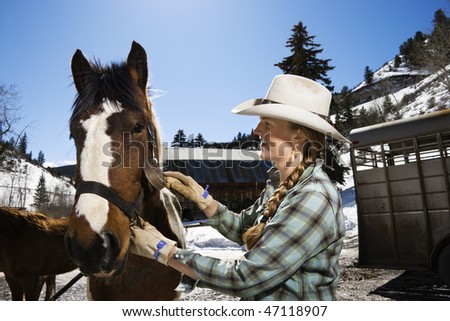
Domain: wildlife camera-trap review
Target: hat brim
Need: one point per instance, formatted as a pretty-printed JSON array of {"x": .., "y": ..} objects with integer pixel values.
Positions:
[{"x": 289, "y": 113}]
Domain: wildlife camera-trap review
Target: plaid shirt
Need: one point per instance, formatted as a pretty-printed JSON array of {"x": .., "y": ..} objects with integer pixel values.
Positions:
[{"x": 297, "y": 255}]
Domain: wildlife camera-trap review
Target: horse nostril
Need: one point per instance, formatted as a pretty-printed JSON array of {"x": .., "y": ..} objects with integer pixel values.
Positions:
[{"x": 112, "y": 249}]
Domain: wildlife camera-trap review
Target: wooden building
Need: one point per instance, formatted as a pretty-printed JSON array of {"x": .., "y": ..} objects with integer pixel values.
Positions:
[{"x": 235, "y": 177}]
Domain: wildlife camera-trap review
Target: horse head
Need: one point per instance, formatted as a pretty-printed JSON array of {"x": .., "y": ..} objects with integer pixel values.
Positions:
[{"x": 118, "y": 147}]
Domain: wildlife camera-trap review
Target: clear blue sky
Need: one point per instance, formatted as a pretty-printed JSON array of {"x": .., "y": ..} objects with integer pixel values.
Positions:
[{"x": 206, "y": 55}]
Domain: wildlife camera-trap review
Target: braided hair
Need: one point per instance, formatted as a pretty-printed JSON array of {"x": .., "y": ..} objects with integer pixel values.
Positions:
[{"x": 311, "y": 151}]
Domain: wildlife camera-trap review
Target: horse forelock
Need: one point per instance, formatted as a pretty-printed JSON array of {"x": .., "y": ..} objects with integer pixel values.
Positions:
[{"x": 113, "y": 83}]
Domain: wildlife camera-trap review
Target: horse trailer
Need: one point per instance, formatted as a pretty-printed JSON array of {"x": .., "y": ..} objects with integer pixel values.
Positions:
[{"x": 401, "y": 175}]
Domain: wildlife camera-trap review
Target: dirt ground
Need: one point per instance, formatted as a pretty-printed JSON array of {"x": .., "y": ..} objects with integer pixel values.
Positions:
[{"x": 356, "y": 284}]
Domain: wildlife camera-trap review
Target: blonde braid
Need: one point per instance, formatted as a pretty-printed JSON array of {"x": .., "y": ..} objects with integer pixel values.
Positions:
[{"x": 310, "y": 152}]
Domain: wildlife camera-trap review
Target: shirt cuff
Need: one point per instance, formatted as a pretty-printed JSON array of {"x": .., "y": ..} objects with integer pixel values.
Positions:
[{"x": 183, "y": 255}]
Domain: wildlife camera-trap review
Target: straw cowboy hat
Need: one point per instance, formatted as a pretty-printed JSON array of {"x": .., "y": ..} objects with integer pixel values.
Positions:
[{"x": 296, "y": 99}]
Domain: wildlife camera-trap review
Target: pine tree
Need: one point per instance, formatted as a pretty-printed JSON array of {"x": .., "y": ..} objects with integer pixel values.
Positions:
[
  {"x": 414, "y": 51},
  {"x": 23, "y": 144},
  {"x": 179, "y": 137},
  {"x": 345, "y": 120},
  {"x": 388, "y": 106},
  {"x": 200, "y": 140},
  {"x": 397, "y": 61},
  {"x": 304, "y": 60},
  {"x": 41, "y": 158},
  {"x": 368, "y": 75},
  {"x": 438, "y": 53},
  {"x": 41, "y": 197}
]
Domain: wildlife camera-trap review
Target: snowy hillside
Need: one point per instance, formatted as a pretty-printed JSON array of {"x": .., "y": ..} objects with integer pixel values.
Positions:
[
  {"x": 19, "y": 179},
  {"x": 425, "y": 96}
]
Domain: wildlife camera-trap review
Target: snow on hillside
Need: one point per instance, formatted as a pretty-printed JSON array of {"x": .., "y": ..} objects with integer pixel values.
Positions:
[
  {"x": 429, "y": 94},
  {"x": 389, "y": 70},
  {"x": 19, "y": 179}
]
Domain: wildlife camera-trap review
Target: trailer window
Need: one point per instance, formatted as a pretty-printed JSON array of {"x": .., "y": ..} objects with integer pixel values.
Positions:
[{"x": 403, "y": 151}]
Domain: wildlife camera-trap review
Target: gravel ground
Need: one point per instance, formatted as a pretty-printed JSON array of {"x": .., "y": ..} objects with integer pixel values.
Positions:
[{"x": 356, "y": 284}]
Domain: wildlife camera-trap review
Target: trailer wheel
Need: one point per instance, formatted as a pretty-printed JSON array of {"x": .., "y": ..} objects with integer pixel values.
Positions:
[{"x": 444, "y": 264}]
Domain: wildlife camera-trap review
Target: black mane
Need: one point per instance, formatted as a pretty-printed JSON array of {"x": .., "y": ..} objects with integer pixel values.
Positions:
[{"x": 113, "y": 83}]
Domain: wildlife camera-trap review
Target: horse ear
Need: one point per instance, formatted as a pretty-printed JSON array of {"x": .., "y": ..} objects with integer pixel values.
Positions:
[
  {"x": 137, "y": 65},
  {"x": 81, "y": 70}
]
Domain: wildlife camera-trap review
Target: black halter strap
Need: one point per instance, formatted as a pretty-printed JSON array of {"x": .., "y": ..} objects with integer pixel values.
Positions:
[{"x": 130, "y": 209}]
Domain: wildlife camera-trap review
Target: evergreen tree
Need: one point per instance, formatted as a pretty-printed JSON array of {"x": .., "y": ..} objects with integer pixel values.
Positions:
[
  {"x": 414, "y": 51},
  {"x": 41, "y": 197},
  {"x": 179, "y": 137},
  {"x": 417, "y": 57},
  {"x": 397, "y": 61},
  {"x": 388, "y": 106},
  {"x": 368, "y": 117},
  {"x": 368, "y": 75},
  {"x": 438, "y": 53},
  {"x": 304, "y": 60},
  {"x": 40, "y": 159},
  {"x": 345, "y": 121},
  {"x": 23, "y": 144},
  {"x": 200, "y": 140}
]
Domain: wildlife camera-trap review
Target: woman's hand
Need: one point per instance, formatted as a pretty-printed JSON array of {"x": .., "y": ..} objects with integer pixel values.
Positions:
[
  {"x": 189, "y": 188},
  {"x": 149, "y": 242}
]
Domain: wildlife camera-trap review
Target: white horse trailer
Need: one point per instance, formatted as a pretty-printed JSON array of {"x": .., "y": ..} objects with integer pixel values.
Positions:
[{"x": 401, "y": 173}]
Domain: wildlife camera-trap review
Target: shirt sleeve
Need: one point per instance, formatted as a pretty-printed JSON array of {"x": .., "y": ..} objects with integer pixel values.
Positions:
[
  {"x": 233, "y": 225},
  {"x": 298, "y": 231}
]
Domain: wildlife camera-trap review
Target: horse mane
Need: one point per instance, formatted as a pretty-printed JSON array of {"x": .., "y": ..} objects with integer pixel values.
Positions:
[
  {"x": 115, "y": 84},
  {"x": 11, "y": 218}
]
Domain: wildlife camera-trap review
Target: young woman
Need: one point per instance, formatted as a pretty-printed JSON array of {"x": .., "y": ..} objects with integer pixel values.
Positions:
[{"x": 294, "y": 231}]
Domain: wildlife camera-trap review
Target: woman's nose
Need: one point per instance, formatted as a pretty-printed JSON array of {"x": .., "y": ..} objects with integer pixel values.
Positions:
[{"x": 257, "y": 131}]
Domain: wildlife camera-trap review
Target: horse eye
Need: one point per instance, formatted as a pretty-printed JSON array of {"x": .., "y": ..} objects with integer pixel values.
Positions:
[{"x": 138, "y": 128}]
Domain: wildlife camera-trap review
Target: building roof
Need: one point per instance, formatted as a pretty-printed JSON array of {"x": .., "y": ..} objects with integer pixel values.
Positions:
[{"x": 220, "y": 171}]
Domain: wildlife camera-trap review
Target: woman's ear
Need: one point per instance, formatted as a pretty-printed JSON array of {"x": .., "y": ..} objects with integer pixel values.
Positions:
[
  {"x": 299, "y": 137},
  {"x": 299, "y": 140}
]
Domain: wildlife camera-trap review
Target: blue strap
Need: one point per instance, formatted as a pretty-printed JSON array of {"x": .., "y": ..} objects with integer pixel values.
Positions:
[
  {"x": 159, "y": 246},
  {"x": 205, "y": 193}
]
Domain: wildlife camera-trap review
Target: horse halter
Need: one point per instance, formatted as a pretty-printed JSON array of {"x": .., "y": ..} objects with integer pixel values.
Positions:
[{"x": 130, "y": 209}]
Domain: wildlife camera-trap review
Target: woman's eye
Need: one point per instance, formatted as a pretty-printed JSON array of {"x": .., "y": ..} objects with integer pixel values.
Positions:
[{"x": 138, "y": 128}]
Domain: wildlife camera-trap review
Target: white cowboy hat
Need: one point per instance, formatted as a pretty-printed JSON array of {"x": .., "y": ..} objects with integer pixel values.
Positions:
[{"x": 296, "y": 99}]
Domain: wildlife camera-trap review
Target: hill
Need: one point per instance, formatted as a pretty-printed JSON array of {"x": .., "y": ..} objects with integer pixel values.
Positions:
[
  {"x": 19, "y": 180},
  {"x": 414, "y": 92}
]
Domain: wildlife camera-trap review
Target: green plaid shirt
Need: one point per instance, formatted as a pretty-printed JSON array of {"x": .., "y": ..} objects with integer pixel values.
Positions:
[{"x": 297, "y": 255}]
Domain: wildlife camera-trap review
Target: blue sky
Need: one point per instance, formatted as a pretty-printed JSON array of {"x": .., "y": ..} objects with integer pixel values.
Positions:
[{"x": 205, "y": 55}]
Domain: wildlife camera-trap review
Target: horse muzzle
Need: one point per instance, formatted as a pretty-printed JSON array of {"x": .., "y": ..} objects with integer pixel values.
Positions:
[{"x": 100, "y": 257}]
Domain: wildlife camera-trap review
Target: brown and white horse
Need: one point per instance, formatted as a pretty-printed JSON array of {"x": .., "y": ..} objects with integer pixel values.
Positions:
[{"x": 118, "y": 151}]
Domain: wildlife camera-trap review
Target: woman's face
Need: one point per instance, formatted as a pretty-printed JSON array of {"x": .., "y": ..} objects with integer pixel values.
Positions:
[{"x": 277, "y": 139}]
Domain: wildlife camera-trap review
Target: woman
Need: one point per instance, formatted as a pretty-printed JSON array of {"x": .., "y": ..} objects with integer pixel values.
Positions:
[{"x": 294, "y": 231}]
